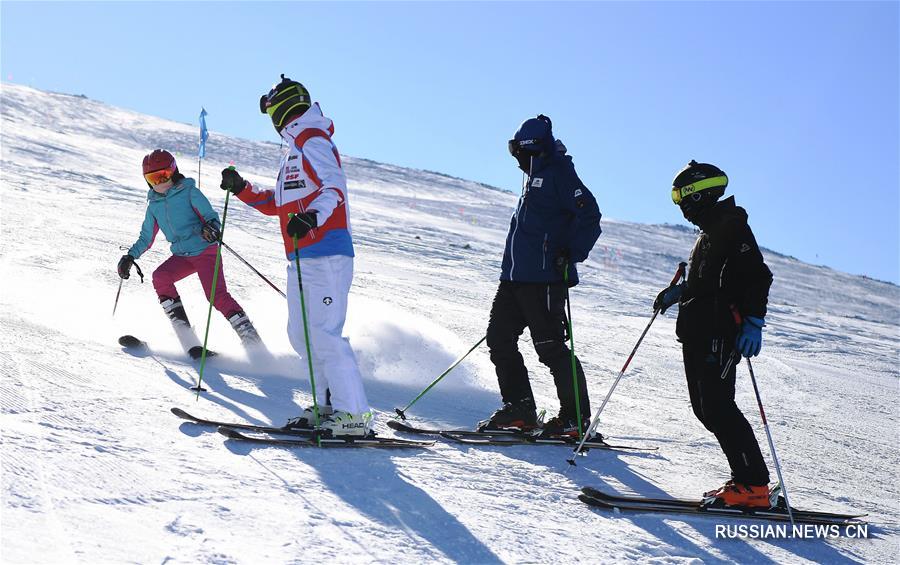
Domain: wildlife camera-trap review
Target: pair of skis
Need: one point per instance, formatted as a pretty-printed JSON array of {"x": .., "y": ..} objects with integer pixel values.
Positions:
[
  {"x": 777, "y": 513},
  {"x": 295, "y": 437},
  {"x": 136, "y": 344},
  {"x": 508, "y": 437}
]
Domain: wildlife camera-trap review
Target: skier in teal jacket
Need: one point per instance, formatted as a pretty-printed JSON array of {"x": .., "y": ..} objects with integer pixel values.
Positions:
[{"x": 177, "y": 207}]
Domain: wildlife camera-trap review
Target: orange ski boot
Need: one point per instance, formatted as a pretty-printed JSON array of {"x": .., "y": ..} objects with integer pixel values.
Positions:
[{"x": 740, "y": 494}]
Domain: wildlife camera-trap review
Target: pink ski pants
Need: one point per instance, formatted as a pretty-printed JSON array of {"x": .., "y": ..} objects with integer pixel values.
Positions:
[{"x": 178, "y": 267}]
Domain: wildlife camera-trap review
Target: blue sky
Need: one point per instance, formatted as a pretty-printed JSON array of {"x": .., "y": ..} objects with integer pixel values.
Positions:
[{"x": 796, "y": 101}]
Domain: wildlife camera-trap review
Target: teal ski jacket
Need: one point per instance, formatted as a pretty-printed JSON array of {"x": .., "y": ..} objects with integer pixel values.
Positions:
[{"x": 180, "y": 213}]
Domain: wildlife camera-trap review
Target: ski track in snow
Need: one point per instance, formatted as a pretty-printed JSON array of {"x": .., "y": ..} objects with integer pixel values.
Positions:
[{"x": 96, "y": 469}]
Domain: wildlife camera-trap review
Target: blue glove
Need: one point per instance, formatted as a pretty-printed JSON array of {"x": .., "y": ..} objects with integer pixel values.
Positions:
[
  {"x": 667, "y": 297},
  {"x": 749, "y": 340}
]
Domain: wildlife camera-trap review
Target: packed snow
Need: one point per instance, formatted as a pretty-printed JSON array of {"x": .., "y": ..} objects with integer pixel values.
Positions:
[{"x": 97, "y": 469}]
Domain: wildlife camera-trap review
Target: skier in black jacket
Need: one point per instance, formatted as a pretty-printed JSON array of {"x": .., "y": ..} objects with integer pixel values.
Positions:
[
  {"x": 722, "y": 308},
  {"x": 555, "y": 226}
]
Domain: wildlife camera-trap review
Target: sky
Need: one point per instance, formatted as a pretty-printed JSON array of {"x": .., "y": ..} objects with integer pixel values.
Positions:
[{"x": 796, "y": 101}]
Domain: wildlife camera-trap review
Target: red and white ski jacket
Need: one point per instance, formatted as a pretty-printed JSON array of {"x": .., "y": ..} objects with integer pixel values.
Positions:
[{"x": 311, "y": 178}]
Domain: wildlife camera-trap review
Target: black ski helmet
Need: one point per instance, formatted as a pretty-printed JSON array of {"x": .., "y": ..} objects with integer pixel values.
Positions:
[
  {"x": 286, "y": 99},
  {"x": 698, "y": 180},
  {"x": 696, "y": 188},
  {"x": 534, "y": 136}
]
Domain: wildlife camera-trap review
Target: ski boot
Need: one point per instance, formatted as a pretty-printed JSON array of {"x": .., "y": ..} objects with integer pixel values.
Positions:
[
  {"x": 739, "y": 494},
  {"x": 175, "y": 312},
  {"x": 517, "y": 415},
  {"x": 345, "y": 424},
  {"x": 307, "y": 419},
  {"x": 244, "y": 328},
  {"x": 560, "y": 426}
]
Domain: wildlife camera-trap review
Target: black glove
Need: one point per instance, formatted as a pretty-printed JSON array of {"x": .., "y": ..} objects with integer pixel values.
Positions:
[
  {"x": 124, "y": 267},
  {"x": 667, "y": 297},
  {"x": 300, "y": 224},
  {"x": 210, "y": 231},
  {"x": 561, "y": 262},
  {"x": 232, "y": 181}
]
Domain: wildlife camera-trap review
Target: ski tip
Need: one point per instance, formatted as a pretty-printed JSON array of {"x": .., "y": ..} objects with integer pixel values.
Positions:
[
  {"x": 229, "y": 433},
  {"x": 196, "y": 353},
  {"x": 395, "y": 425},
  {"x": 130, "y": 341},
  {"x": 180, "y": 413}
]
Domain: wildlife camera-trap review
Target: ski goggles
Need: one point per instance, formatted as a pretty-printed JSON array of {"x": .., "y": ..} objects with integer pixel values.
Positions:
[
  {"x": 160, "y": 176},
  {"x": 515, "y": 146},
  {"x": 678, "y": 194}
]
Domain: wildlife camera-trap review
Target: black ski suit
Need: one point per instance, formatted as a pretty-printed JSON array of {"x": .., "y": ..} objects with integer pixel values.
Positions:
[
  {"x": 556, "y": 213},
  {"x": 726, "y": 270}
]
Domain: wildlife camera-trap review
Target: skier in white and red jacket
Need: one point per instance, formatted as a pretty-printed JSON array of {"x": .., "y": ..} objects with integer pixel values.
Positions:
[{"x": 310, "y": 200}]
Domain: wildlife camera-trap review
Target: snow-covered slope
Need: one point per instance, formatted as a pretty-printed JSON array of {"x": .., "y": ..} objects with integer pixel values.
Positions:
[{"x": 96, "y": 469}]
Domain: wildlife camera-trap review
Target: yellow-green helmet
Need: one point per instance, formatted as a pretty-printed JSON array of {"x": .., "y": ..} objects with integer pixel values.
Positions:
[{"x": 287, "y": 99}]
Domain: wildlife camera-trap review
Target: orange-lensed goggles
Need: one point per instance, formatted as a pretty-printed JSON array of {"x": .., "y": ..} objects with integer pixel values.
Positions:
[{"x": 160, "y": 176}]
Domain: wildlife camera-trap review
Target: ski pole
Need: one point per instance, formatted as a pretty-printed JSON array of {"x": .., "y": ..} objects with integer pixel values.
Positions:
[
  {"x": 762, "y": 414},
  {"x": 242, "y": 260},
  {"x": 678, "y": 274},
  {"x": 212, "y": 293},
  {"x": 402, "y": 412},
  {"x": 572, "y": 353},
  {"x": 121, "y": 280},
  {"x": 116, "y": 304},
  {"x": 312, "y": 378}
]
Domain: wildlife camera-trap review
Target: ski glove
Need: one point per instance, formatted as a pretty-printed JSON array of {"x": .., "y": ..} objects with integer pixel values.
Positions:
[
  {"x": 211, "y": 232},
  {"x": 667, "y": 297},
  {"x": 300, "y": 224},
  {"x": 124, "y": 267},
  {"x": 749, "y": 340},
  {"x": 232, "y": 181}
]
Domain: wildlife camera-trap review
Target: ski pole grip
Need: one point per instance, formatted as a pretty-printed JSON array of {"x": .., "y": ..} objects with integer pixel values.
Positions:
[
  {"x": 294, "y": 237},
  {"x": 679, "y": 273}
]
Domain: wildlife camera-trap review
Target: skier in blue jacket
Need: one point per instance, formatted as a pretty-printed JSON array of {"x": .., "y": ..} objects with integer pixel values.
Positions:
[{"x": 555, "y": 226}]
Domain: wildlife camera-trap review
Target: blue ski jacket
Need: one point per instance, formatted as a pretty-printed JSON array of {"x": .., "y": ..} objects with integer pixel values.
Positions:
[
  {"x": 180, "y": 213},
  {"x": 556, "y": 212}
]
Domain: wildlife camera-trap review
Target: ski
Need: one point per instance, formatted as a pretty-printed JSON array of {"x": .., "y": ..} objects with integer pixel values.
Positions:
[
  {"x": 507, "y": 437},
  {"x": 401, "y": 427},
  {"x": 136, "y": 344},
  {"x": 131, "y": 342},
  {"x": 597, "y": 498},
  {"x": 240, "y": 426},
  {"x": 488, "y": 438},
  {"x": 345, "y": 441}
]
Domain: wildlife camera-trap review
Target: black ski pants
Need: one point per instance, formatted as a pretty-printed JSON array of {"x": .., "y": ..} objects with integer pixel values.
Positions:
[
  {"x": 541, "y": 308},
  {"x": 712, "y": 398}
]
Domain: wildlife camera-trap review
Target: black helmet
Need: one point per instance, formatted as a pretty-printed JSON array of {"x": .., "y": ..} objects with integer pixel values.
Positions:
[
  {"x": 697, "y": 178},
  {"x": 696, "y": 187},
  {"x": 286, "y": 99},
  {"x": 534, "y": 136}
]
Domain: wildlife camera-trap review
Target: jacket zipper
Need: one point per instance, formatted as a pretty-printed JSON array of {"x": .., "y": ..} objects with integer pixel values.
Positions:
[{"x": 512, "y": 242}]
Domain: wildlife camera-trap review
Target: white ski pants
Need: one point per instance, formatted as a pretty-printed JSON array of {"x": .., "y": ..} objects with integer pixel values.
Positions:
[{"x": 326, "y": 286}]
